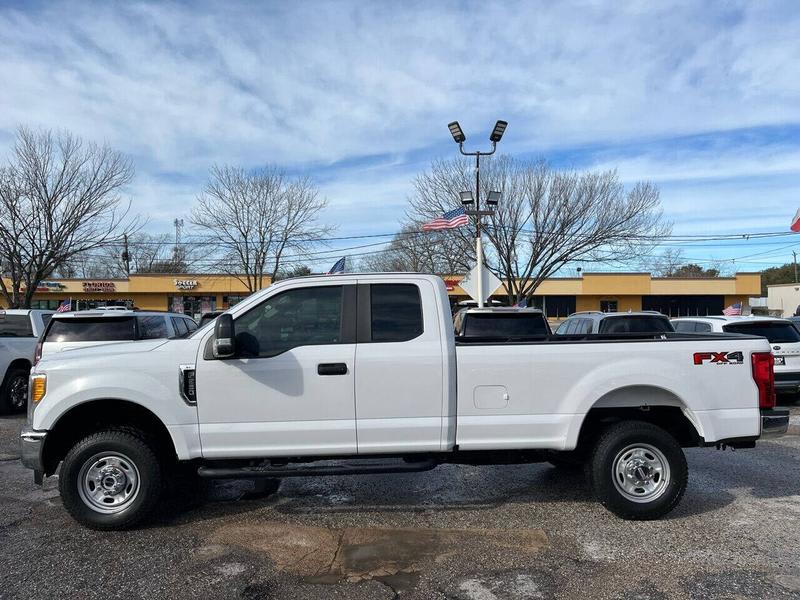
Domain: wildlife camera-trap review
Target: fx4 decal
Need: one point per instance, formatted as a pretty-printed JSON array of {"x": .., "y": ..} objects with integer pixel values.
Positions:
[{"x": 719, "y": 358}]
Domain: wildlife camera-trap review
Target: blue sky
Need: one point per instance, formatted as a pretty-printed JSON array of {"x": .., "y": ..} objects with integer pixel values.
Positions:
[{"x": 701, "y": 98}]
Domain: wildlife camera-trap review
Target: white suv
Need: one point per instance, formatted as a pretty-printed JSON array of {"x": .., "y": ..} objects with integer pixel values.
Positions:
[
  {"x": 781, "y": 333},
  {"x": 73, "y": 330}
]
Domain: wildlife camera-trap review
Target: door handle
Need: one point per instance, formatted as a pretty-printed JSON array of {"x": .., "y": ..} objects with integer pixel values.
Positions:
[{"x": 332, "y": 369}]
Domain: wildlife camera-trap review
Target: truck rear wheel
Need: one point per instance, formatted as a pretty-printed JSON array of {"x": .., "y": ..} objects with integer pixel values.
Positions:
[
  {"x": 111, "y": 479},
  {"x": 638, "y": 471}
]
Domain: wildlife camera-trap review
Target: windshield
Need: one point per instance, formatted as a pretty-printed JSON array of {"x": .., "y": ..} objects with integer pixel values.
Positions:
[
  {"x": 504, "y": 325},
  {"x": 636, "y": 324},
  {"x": 776, "y": 332}
]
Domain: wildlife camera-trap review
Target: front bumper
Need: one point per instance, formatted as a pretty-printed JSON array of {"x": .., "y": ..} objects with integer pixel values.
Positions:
[
  {"x": 774, "y": 422},
  {"x": 31, "y": 447}
]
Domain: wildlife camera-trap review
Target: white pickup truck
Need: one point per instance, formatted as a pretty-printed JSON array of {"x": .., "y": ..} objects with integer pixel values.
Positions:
[
  {"x": 20, "y": 330},
  {"x": 365, "y": 369}
]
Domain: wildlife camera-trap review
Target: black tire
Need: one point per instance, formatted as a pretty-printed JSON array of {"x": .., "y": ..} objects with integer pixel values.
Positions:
[
  {"x": 617, "y": 446},
  {"x": 138, "y": 459},
  {"x": 14, "y": 390}
]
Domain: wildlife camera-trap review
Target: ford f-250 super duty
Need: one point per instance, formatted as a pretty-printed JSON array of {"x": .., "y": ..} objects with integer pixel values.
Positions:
[{"x": 365, "y": 369}]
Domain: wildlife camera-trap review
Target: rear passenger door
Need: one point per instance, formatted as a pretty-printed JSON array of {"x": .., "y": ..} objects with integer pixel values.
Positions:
[{"x": 399, "y": 368}]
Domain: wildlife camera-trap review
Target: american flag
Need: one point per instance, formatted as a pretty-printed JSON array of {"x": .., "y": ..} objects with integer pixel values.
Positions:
[
  {"x": 338, "y": 267},
  {"x": 449, "y": 220},
  {"x": 734, "y": 310},
  {"x": 65, "y": 306}
]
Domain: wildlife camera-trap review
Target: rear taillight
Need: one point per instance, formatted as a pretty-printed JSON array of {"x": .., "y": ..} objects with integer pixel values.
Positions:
[
  {"x": 37, "y": 356},
  {"x": 764, "y": 376}
]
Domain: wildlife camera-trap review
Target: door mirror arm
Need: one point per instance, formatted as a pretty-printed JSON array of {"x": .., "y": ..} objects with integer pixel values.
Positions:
[{"x": 224, "y": 337}]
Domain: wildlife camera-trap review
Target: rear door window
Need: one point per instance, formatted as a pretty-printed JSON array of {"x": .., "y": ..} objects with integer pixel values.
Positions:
[
  {"x": 776, "y": 332},
  {"x": 15, "y": 326},
  {"x": 191, "y": 325},
  {"x": 91, "y": 329},
  {"x": 180, "y": 326},
  {"x": 153, "y": 327},
  {"x": 685, "y": 326},
  {"x": 396, "y": 312}
]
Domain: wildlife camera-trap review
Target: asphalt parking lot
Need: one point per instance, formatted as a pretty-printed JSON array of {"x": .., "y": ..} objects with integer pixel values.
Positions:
[{"x": 472, "y": 533}]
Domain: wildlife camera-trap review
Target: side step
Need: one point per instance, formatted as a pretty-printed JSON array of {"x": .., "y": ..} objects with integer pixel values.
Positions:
[{"x": 268, "y": 470}]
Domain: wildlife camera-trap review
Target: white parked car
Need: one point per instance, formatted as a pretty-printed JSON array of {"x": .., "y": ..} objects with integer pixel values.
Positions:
[
  {"x": 74, "y": 330},
  {"x": 781, "y": 333},
  {"x": 19, "y": 330},
  {"x": 364, "y": 366}
]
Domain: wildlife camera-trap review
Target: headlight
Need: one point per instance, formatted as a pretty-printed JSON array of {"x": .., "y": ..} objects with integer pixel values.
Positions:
[{"x": 38, "y": 387}]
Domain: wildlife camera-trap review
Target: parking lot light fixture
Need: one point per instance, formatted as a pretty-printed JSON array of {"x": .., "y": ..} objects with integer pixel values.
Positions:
[
  {"x": 455, "y": 131},
  {"x": 498, "y": 131},
  {"x": 493, "y": 198},
  {"x": 466, "y": 198}
]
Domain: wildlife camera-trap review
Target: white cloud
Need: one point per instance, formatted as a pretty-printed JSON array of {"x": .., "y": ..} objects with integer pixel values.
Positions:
[{"x": 310, "y": 85}]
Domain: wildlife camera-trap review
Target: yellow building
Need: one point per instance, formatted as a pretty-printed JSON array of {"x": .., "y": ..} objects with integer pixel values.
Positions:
[
  {"x": 194, "y": 294},
  {"x": 561, "y": 296},
  {"x": 188, "y": 294}
]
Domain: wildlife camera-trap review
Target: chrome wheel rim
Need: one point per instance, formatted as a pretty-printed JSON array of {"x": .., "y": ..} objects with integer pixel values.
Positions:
[
  {"x": 108, "y": 482},
  {"x": 640, "y": 472},
  {"x": 18, "y": 391}
]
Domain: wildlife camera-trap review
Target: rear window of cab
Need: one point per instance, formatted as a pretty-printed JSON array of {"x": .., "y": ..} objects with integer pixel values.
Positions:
[
  {"x": 776, "y": 332},
  {"x": 89, "y": 329},
  {"x": 15, "y": 325}
]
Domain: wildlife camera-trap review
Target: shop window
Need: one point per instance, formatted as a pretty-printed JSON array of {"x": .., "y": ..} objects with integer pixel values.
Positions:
[{"x": 608, "y": 306}]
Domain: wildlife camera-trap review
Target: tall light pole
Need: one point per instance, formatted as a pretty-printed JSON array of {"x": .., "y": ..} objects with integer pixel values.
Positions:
[{"x": 466, "y": 197}]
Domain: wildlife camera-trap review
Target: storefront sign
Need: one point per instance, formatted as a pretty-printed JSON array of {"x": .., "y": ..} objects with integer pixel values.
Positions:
[
  {"x": 185, "y": 284},
  {"x": 48, "y": 286},
  {"x": 451, "y": 284},
  {"x": 99, "y": 286}
]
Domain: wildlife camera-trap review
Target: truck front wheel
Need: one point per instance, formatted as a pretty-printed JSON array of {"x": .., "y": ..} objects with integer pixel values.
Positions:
[
  {"x": 111, "y": 479},
  {"x": 637, "y": 470}
]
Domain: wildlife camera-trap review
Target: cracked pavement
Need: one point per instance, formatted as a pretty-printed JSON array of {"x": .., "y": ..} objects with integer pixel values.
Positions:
[{"x": 467, "y": 533}]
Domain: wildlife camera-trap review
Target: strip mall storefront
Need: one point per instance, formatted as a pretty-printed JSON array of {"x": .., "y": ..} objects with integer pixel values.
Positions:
[
  {"x": 195, "y": 294},
  {"x": 188, "y": 294}
]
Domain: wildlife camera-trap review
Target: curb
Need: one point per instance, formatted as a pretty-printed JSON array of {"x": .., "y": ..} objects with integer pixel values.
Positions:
[{"x": 794, "y": 426}]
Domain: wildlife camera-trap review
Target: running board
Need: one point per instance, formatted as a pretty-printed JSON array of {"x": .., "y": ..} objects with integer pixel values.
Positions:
[{"x": 309, "y": 471}]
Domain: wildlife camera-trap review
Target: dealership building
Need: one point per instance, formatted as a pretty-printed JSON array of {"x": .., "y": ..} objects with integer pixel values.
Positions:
[{"x": 194, "y": 294}]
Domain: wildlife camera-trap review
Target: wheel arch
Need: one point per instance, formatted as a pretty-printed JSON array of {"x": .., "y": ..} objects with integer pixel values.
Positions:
[
  {"x": 650, "y": 403},
  {"x": 87, "y": 417},
  {"x": 17, "y": 363}
]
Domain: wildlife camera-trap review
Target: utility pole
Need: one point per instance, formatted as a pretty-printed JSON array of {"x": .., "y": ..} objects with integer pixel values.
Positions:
[
  {"x": 176, "y": 255},
  {"x": 795, "y": 265},
  {"x": 126, "y": 257}
]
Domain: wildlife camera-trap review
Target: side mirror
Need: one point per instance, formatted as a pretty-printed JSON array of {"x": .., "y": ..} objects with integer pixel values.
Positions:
[{"x": 224, "y": 337}]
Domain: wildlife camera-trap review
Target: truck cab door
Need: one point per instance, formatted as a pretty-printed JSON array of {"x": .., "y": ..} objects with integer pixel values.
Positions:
[
  {"x": 399, "y": 383},
  {"x": 289, "y": 389}
]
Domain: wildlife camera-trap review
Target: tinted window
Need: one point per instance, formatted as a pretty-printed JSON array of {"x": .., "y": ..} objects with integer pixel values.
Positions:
[
  {"x": 180, "y": 326},
  {"x": 46, "y": 319},
  {"x": 504, "y": 325},
  {"x": 190, "y": 325},
  {"x": 776, "y": 332},
  {"x": 396, "y": 311},
  {"x": 298, "y": 317},
  {"x": 153, "y": 327},
  {"x": 636, "y": 324},
  {"x": 685, "y": 326},
  {"x": 15, "y": 326},
  {"x": 701, "y": 327},
  {"x": 91, "y": 330}
]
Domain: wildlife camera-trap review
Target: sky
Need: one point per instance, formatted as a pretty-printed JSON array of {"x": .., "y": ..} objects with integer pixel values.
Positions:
[{"x": 701, "y": 98}]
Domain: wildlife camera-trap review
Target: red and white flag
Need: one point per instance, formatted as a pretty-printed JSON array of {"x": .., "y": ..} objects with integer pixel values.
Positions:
[{"x": 795, "y": 226}]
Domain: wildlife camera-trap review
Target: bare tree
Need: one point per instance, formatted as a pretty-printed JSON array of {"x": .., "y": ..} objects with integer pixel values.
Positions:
[
  {"x": 671, "y": 263},
  {"x": 437, "y": 252},
  {"x": 59, "y": 198},
  {"x": 254, "y": 218},
  {"x": 546, "y": 218}
]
